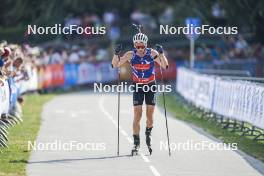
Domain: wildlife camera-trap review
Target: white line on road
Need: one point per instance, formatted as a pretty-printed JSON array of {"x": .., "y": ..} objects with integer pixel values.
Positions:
[
  {"x": 124, "y": 133},
  {"x": 103, "y": 109},
  {"x": 145, "y": 158},
  {"x": 154, "y": 171},
  {"x": 129, "y": 140}
]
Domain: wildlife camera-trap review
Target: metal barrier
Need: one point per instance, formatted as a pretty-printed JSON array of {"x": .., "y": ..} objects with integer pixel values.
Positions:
[
  {"x": 233, "y": 102},
  {"x": 46, "y": 77}
]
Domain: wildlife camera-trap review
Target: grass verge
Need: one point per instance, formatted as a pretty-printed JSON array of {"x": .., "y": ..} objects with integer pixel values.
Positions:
[
  {"x": 180, "y": 111},
  {"x": 13, "y": 159}
]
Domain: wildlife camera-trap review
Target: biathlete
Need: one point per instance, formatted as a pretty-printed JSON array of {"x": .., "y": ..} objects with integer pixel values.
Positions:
[{"x": 142, "y": 60}]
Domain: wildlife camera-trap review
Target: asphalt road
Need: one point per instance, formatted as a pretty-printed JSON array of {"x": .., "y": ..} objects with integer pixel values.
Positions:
[{"x": 89, "y": 122}]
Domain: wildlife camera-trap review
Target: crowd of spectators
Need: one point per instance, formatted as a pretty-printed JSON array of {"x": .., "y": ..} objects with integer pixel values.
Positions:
[
  {"x": 71, "y": 54},
  {"x": 225, "y": 49},
  {"x": 115, "y": 24},
  {"x": 13, "y": 60}
]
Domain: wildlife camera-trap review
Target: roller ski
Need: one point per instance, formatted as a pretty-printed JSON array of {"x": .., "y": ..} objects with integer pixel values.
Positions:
[
  {"x": 135, "y": 149},
  {"x": 148, "y": 139}
]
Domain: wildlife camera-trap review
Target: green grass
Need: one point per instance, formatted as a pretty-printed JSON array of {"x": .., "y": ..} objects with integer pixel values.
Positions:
[
  {"x": 13, "y": 159},
  {"x": 181, "y": 111}
]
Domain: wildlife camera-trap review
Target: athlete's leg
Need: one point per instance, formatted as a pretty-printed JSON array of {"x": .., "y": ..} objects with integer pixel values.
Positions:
[
  {"x": 138, "y": 97},
  {"x": 150, "y": 98},
  {"x": 149, "y": 125},
  {"x": 136, "y": 128},
  {"x": 149, "y": 114},
  {"x": 137, "y": 118}
]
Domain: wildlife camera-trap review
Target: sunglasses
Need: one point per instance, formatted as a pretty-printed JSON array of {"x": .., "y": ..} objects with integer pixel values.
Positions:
[{"x": 140, "y": 46}]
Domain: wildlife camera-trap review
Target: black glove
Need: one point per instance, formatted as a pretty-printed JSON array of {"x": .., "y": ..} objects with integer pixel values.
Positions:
[
  {"x": 159, "y": 48},
  {"x": 118, "y": 49}
]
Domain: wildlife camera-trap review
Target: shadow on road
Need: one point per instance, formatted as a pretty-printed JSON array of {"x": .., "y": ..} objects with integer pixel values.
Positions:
[{"x": 77, "y": 159}]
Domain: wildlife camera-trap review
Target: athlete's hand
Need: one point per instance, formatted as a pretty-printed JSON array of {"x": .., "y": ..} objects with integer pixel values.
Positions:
[
  {"x": 159, "y": 48},
  {"x": 118, "y": 49}
]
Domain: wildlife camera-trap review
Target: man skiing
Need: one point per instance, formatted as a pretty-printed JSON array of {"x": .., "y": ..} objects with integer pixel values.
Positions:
[{"x": 142, "y": 61}]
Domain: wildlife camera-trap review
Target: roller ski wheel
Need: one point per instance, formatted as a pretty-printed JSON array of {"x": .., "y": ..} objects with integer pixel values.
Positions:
[
  {"x": 150, "y": 150},
  {"x": 135, "y": 151},
  {"x": 148, "y": 139}
]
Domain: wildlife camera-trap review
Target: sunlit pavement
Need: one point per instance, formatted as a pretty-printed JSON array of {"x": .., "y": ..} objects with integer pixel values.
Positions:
[{"x": 91, "y": 119}]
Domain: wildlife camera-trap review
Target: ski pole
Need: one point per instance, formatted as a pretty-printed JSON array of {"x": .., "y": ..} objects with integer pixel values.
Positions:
[
  {"x": 138, "y": 27},
  {"x": 118, "y": 113},
  {"x": 165, "y": 111}
]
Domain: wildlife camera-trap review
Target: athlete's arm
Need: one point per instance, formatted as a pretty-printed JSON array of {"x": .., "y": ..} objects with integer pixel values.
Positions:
[
  {"x": 126, "y": 57},
  {"x": 161, "y": 59}
]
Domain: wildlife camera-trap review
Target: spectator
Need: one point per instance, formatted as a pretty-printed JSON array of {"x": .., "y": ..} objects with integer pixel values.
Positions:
[
  {"x": 200, "y": 53},
  {"x": 167, "y": 16},
  {"x": 44, "y": 58},
  {"x": 102, "y": 55},
  {"x": 56, "y": 57},
  {"x": 74, "y": 57},
  {"x": 144, "y": 19},
  {"x": 109, "y": 18},
  {"x": 241, "y": 43},
  {"x": 82, "y": 56}
]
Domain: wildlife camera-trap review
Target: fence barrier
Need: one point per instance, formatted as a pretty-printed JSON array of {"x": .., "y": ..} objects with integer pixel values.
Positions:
[
  {"x": 235, "y": 99},
  {"x": 53, "y": 76}
]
